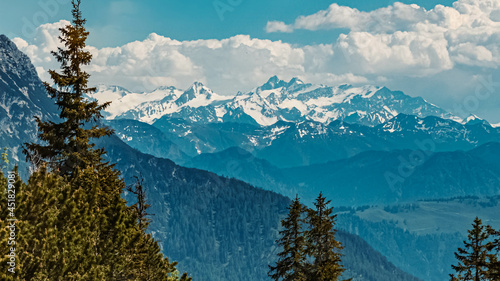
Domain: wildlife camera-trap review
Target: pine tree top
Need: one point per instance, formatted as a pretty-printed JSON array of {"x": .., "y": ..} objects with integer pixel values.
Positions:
[{"x": 68, "y": 144}]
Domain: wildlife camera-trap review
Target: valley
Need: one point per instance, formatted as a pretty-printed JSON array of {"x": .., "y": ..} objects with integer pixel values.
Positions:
[{"x": 406, "y": 177}]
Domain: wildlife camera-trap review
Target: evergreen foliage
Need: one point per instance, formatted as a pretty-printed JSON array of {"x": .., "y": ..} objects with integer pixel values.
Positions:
[
  {"x": 476, "y": 261},
  {"x": 291, "y": 265},
  {"x": 73, "y": 223},
  {"x": 312, "y": 254},
  {"x": 321, "y": 243},
  {"x": 420, "y": 247},
  {"x": 494, "y": 265},
  {"x": 140, "y": 207},
  {"x": 225, "y": 229},
  {"x": 68, "y": 142}
]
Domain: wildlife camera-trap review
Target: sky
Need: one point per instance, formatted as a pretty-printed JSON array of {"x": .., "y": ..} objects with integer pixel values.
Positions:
[{"x": 448, "y": 52}]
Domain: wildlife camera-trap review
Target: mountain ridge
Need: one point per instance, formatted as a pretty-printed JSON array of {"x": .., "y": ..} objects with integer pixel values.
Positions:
[
  {"x": 176, "y": 190},
  {"x": 289, "y": 144},
  {"x": 199, "y": 201},
  {"x": 364, "y": 178},
  {"x": 22, "y": 96},
  {"x": 276, "y": 100}
]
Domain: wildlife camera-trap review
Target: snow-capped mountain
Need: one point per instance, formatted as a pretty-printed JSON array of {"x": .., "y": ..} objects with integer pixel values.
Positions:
[
  {"x": 474, "y": 119},
  {"x": 172, "y": 189},
  {"x": 22, "y": 96},
  {"x": 297, "y": 101},
  {"x": 287, "y": 144},
  {"x": 276, "y": 100},
  {"x": 150, "y": 106}
]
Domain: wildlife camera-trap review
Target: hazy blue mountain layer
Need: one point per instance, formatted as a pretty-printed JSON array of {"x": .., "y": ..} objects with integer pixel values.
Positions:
[
  {"x": 372, "y": 177},
  {"x": 420, "y": 237},
  {"x": 218, "y": 228},
  {"x": 286, "y": 144},
  {"x": 224, "y": 229}
]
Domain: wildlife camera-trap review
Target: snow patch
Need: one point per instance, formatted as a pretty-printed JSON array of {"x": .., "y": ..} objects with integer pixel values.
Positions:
[
  {"x": 318, "y": 103},
  {"x": 470, "y": 118},
  {"x": 391, "y": 111}
]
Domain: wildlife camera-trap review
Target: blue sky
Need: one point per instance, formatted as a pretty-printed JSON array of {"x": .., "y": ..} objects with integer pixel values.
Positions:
[
  {"x": 115, "y": 23},
  {"x": 447, "y": 52}
]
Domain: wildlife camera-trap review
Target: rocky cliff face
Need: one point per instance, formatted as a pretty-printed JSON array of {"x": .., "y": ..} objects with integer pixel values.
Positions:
[{"x": 22, "y": 96}]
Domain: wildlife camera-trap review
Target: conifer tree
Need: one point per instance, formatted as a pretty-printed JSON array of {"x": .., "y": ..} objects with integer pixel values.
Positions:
[
  {"x": 141, "y": 205},
  {"x": 76, "y": 225},
  {"x": 291, "y": 261},
  {"x": 42, "y": 245},
  {"x": 5, "y": 232},
  {"x": 68, "y": 145},
  {"x": 321, "y": 244},
  {"x": 149, "y": 263},
  {"x": 494, "y": 263},
  {"x": 473, "y": 259}
]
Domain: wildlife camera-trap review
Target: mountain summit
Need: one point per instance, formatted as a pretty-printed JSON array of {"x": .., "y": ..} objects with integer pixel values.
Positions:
[
  {"x": 278, "y": 100},
  {"x": 22, "y": 96},
  {"x": 150, "y": 106},
  {"x": 273, "y": 83},
  {"x": 473, "y": 119}
]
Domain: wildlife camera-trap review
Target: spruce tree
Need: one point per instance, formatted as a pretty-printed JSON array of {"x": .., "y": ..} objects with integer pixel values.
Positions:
[
  {"x": 68, "y": 145},
  {"x": 75, "y": 223},
  {"x": 149, "y": 263},
  {"x": 92, "y": 217},
  {"x": 141, "y": 205},
  {"x": 473, "y": 259},
  {"x": 291, "y": 261},
  {"x": 494, "y": 263},
  {"x": 321, "y": 244}
]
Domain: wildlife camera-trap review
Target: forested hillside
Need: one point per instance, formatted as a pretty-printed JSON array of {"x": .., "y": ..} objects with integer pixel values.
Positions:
[
  {"x": 224, "y": 229},
  {"x": 372, "y": 177},
  {"x": 420, "y": 237}
]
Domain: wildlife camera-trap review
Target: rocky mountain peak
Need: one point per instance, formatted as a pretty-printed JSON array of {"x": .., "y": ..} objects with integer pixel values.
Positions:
[{"x": 273, "y": 83}]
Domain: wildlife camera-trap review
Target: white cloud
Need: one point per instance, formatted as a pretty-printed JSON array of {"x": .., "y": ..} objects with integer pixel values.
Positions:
[
  {"x": 227, "y": 65},
  {"x": 401, "y": 53},
  {"x": 334, "y": 79},
  {"x": 278, "y": 26},
  {"x": 431, "y": 53},
  {"x": 45, "y": 41},
  {"x": 410, "y": 40},
  {"x": 395, "y": 17},
  {"x": 470, "y": 54}
]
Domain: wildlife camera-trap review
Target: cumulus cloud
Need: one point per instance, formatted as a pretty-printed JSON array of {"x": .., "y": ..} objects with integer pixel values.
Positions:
[
  {"x": 404, "y": 53},
  {"x": 409, "y": 39},
  {"x": 45, "y": 41},
  {"x": 278, "y": 26},
  {"x": 430, "y": 53},
  {"x": 227, "y": 65}
]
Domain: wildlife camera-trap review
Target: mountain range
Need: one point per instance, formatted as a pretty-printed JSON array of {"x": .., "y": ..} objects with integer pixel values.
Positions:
[
  {"x": 218, "y": 228},
  {"x": 289, "y": 124},
  {"x": 276, "y": 100},
  {"x": 361, "y": 146},
  {"x": 368, "y": 178},
  {"x": 287, "y": 144},
  {"x": 22, "y": 96}
]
